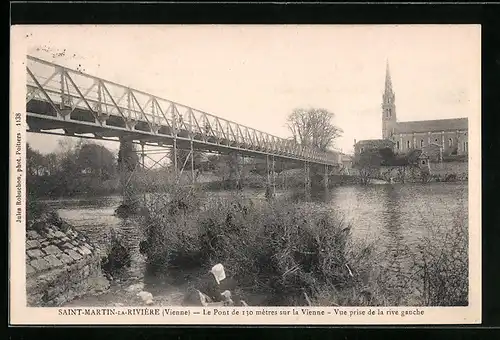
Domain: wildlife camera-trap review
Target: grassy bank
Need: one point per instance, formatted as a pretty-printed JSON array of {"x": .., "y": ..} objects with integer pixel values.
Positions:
[{"x": 288, "y": 250}]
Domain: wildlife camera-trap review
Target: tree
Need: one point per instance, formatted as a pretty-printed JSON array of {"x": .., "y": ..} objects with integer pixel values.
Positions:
[
  {"x": 66, "y": 147},
  {"x": 368, "y": 164},
  {"x": 34, "y": 160},
  {"x": 228, "y": 168},
  {"x": 96, "y": 160},
  {"x": 52, "y": 163},
  {"x": 211, "y": 163},
  {"x": 313, "y": 128}
]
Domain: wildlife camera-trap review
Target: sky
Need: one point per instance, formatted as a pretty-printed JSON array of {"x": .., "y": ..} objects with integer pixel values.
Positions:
[{"x": 256, "y": 75}]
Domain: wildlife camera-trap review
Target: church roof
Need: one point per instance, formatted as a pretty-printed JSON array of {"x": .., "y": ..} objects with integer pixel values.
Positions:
[
  {"x": 374, "y": 141},
  {"x": 432, "y": 125}
]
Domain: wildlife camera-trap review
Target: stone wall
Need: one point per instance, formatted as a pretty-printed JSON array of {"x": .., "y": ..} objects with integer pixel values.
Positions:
[
  {"x": 445, "y": 168},
  {"x": 439, "y": 171},
  {"x": 61, "y": 264}
]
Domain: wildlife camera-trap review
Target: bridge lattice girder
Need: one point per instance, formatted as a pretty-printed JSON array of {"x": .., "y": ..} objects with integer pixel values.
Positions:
[{"x": 61, "y": 98}]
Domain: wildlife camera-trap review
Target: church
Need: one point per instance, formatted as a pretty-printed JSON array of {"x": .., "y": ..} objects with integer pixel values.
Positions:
[{"x": 447, "y": 137}]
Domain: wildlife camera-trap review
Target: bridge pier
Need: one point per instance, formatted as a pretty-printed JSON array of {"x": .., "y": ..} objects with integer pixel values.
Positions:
[
  {"x": 326, "y": 178},
  {"x": 143, "y": 156},
  {"x": 175, "y": 158},
  {"x": 307, "y": 180},
  {"x": 274, "y": 176},
  {"x": 270, "y": 184},
  {"x": 192, "y": 162},
  {"x": 283, "y": 175}
]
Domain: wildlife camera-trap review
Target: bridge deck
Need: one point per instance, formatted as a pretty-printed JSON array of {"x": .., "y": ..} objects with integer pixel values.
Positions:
[{"x": 61, "y": 98}]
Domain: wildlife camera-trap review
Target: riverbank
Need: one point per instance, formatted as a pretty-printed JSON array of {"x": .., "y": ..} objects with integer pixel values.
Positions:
[
  {"x": 290, "y": 250},
  {"x": 372, "y": 212},
  {"x": 61, "y": 264}
]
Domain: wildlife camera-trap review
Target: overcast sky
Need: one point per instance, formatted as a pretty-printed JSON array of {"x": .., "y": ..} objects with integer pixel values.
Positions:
[{"x": 256, "y": 75}]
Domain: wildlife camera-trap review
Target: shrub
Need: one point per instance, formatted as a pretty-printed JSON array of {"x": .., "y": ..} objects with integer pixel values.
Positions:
[
  {"x": 442, "y": 265},
  {"x": 118, "y": 256},
  {"x": 40, "y": 214},
  {"x": 170, "y": 226},
  {"x": 34, "y": 209},
  {"x": 281, "y": 248}
]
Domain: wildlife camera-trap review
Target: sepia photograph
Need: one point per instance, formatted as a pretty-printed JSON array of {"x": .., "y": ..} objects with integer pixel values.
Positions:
[{"x": 250, "y": 166}]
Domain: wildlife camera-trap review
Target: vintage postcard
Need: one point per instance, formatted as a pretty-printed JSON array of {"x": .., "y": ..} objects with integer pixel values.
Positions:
[{"x": 232, "y": 174}]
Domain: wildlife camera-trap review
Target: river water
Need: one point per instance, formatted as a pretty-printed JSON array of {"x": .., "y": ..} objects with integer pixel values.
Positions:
[{"x": 391, "y": 216}]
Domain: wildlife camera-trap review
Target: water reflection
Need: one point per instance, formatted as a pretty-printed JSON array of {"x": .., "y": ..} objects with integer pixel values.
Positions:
[
  {"x": 394, "y": 217},
  {"x": 392, "y": 228}
]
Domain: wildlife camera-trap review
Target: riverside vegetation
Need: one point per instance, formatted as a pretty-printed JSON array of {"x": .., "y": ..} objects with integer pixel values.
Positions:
[{"x": 299, "y": 253}]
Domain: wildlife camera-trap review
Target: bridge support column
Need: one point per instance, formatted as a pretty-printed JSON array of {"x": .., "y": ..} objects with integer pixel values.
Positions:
[
  {"x": 307, "y": 181},
  {"x": 174, "y": 132},
  {"x": 273, "y": 177},
  {"x": 192, "y": 163},
  {"x": 269, "y": 184},
  {"x": 267, "y": 177},
  {"x": 175, "y": 157},
  {"x": 283, "y": 175},
  {"x": 326, "y": 178},
  {"x": 143, "y": 157}
]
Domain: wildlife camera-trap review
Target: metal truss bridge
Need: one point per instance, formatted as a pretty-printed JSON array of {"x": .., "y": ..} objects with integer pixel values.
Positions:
[{"x": 61, "y": 98}]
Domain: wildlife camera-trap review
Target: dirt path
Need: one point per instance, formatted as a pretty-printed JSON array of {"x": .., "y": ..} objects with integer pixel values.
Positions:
[
  {"x": 168, "y": 290},
  {"x": 124, "y": 293}
]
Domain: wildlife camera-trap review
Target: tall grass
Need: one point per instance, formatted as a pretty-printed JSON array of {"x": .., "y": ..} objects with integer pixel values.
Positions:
[{"x": 442, "y": 265}]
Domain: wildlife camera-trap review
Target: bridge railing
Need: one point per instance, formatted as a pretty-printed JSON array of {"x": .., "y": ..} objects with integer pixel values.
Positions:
[{"x": 67, "y": 90}]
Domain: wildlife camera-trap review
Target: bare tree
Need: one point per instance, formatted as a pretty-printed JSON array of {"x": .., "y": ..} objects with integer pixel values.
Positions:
[
  {"x": 313, "y": 127},
  {"x": 368, "y": 165}
]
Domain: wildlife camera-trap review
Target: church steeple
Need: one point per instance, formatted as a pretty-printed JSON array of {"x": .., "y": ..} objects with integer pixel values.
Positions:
[
  {"x": 388, "y": 105},
  {"x": 388, "y": 80}
]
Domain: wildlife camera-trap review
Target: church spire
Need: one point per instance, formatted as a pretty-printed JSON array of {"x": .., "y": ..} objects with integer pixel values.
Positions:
[
  {"x": 389, "y": 120},
  {"x": 388, "y": 80}
]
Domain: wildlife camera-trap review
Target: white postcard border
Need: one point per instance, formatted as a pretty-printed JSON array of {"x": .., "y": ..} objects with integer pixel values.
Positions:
[{"x": 21, "y": 314}]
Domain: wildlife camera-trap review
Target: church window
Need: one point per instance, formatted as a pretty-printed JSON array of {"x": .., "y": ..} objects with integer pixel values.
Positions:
[
  {"x": 421, "y": 143},
  {"x": 397, "y": 145},
  {"x": 436, "y": 140},
  {"x": 408, "y": 144},
  {"x": 423, "y": 161},
  {"x": 362, "y": 149},
  {"x": 450, "y": 142}
]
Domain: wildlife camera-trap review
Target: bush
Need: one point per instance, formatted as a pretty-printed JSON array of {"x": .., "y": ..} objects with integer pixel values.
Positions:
[
  {"x": 118, "y": 256},
  {"x": 442, "y": 265},
  {"x": 280, "y": 248},
  {"x": 34, "y": 209},
  {"x": 170, "y": 226},
  {"x": 39, "y": 215}
]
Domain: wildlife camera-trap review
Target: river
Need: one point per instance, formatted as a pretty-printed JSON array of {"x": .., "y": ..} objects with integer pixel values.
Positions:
[{"x": 392, "y": 216}]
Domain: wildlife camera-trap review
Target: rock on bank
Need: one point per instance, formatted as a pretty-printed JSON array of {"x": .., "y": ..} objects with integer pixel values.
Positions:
[{"x": 61, "y": 264}]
